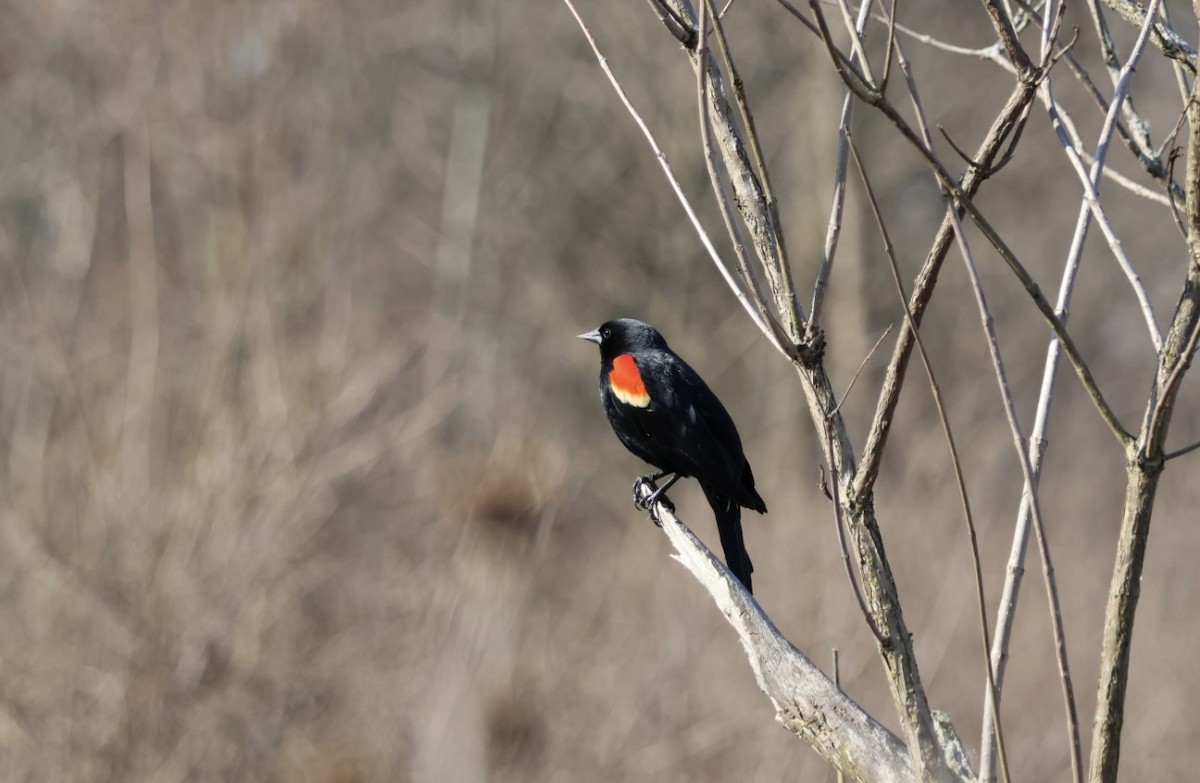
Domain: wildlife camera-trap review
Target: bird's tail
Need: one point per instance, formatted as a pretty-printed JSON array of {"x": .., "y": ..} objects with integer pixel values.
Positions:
[{"x": 729, "y": 526}]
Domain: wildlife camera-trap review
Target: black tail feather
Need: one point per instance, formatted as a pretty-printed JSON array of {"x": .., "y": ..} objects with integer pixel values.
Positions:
[{"x": 729, "y": 526}]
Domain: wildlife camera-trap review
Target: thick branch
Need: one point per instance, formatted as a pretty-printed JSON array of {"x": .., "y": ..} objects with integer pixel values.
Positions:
[
  {"x": 1144, "y": 466},
  {"x": 807, "y": 702}
]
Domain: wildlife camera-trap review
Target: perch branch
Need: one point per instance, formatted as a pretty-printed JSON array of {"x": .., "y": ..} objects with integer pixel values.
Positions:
[{"x": 806, "y": 702}]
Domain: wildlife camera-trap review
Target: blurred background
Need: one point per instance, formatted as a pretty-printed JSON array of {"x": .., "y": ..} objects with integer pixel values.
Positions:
[{"x": 306, "y": 478}]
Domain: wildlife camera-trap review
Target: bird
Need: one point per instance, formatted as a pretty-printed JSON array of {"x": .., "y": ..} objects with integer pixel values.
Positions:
[{"x": 664, "y": 412}]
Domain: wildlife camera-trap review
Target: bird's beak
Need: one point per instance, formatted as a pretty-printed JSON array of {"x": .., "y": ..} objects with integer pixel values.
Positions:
[{"x": 592, "y": 336}]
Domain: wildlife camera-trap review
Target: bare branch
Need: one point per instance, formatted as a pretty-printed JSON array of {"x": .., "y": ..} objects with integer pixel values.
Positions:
[
  {"x": 714, "y": 176},
  {"x": 956, "y": 463},
  {"x": 1010, "y": 411},
  {"x": 1008, "y": 38},
  {"x": 855, "y": 28},
  {"x": 759, "y": 166},
  {"x": 1091, "y": 179},
  {"x": 670, "y": 174},
  {"x": 682, "y": 31},
  {"x": 1180, "y": 452},
  {"x": 1055, "y": 609},
  {"x": 1165, "y": 38},
  {"x": 1144, "y": 466},
  {"x": 825, "y": 266},
  {"x": 840, "y": 526},
  {"x": 750, "y": 198},
  {"x": 806, "y": 702},
  {"x": 1009, "y": 118},
  {"x": 961, "y": 195},
  {"x": 1150, "y": 160}
]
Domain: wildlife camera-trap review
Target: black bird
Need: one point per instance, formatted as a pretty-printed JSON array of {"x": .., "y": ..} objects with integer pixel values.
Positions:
[{"x": 664, "y": 413}]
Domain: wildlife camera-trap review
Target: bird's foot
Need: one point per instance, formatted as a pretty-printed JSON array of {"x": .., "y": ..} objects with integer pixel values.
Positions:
[
  {"x": 650, "y": 502},
  {"x": 641, "y": 485}
]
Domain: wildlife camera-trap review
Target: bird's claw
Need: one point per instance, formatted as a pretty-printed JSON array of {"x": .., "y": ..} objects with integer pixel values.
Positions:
[
  {"x": 650, "y": 502},
  {"x": 638, "y": 484}
]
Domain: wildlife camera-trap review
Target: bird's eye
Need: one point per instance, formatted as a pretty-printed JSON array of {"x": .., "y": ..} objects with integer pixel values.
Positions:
[{"x": 606, "y": 333}]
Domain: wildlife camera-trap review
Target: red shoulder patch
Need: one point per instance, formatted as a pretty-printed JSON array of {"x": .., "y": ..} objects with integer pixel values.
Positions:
[{"x": 626, "y": 382}]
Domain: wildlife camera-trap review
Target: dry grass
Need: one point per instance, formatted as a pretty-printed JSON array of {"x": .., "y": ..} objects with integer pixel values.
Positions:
[{"x": 306, "y": 479}]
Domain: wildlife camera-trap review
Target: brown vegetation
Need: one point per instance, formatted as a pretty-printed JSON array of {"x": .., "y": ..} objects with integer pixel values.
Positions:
[{"x": 305, "y": 474}]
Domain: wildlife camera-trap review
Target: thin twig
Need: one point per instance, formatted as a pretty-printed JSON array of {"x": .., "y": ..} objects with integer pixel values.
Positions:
[
  {"x": 1092, "y": 178},
  {"x": 1171, "y": 158},
  {"x": 714, "y": 176},
  {"x": 671, "y": 178},
  {"x": 833, "y": 233},
  {"x": 862, "y": 365},
  {"x": 855, "y": 28},
  {"x": 891, "y": 47},
  {"x": 1170, "y": 386},
  {"x": 1180, "y": 452},
  {"x": 845, "y": 67},
  {"x": 993, "y": 52},
  {"x": 780, "y": 261},
  {"x": 968, "y": 206}
]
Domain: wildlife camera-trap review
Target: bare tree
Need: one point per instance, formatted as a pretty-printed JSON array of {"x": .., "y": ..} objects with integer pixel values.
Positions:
[{"x": 1038, "y": 57}]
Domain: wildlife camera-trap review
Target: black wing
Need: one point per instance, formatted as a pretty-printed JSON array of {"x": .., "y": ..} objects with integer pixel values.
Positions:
[{"x": 685, "y": 429}]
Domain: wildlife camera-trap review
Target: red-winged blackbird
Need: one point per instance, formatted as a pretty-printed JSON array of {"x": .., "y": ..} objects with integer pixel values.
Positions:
[{"x": 664, "y": 413}]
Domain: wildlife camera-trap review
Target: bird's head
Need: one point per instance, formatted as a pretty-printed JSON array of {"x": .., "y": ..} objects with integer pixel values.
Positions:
[{"x": 624, "y": 335}]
